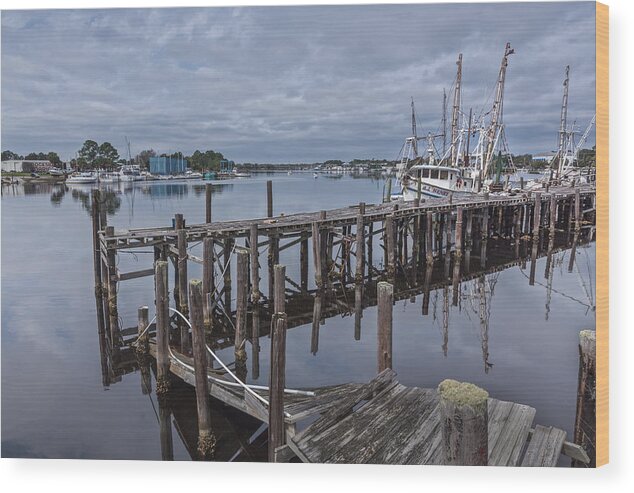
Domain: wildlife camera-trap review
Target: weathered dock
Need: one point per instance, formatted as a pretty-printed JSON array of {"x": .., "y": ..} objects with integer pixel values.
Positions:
[{"x": 423, "y": 245}]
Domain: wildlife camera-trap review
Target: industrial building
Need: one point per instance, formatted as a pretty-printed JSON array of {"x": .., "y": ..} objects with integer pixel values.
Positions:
[{"x": 168, "y": 166}]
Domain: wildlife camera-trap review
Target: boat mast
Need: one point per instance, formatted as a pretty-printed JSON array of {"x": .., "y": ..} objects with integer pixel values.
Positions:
[
  {"x": 444, "y": 121},
  {"x": 467, "y": 150},
  {"x": 455, "y": 113},
  {"x": 496, "y": 112},
  {"x": 563, "y": 124},
  {"x": 415, "y": 149}
]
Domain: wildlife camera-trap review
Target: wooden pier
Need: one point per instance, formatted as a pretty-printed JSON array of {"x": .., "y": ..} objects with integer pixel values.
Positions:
[{"x": 368, "y": 254}]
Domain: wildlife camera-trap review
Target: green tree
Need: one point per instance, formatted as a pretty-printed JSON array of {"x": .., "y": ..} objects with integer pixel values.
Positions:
[
  {"x": 9, "y": 156},
  {"x": 108, "y": 156},
  {"x": 88, "y": 154},
  {"x": 143, "y": 158},
  {"x": 54, "y": 158}
]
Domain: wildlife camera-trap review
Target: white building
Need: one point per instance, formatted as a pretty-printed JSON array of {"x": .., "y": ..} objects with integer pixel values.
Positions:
[{"x": 26, "y": 166}]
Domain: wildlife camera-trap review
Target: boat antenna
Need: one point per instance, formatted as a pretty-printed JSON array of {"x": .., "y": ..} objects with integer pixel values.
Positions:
[{"x": 414, "y": 129}]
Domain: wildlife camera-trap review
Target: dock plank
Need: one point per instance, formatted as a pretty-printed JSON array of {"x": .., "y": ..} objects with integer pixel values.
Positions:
[{"x": 545, "y": 447}]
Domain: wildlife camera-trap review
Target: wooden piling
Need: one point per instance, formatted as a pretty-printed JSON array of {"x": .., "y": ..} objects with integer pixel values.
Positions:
[
  {"x": 429, "y": 231},
  {"x": 314, "y": 335},
  {"x": 273, "y": 259},
  {"x": 226, "y": 261},
  {"x": 255, "y": 264},
  {"x": 269, "y": 198},
  {"x": 183, "y": 305},
  {"x": 585, "y": 417},
  {"x": 208, "y": 203},
  {"x": 389, "y": 245},
  {"x": 537, "y": 215},
  {"x": 206, "y": 438},
  {"x": 142, "y": 348},
  {"x": 208, "y": 280},
  {"x": 458, "y": 246},
  {"x": 242, "y": 279},
  {"x": 385, "y": 300},
  {"x": 553, "y": 214},
  {"x": 360, "y": 255},
  {"x": 317, "y": 250},
  {"x": 277, "y": 382},
  {"x": 303, "y": 261},
  {"x": 464, "y": 422},
  {"x": 111, "y": 285},
  {"x": 161, "y": 297},
  {"x": 280, "y": 289}
]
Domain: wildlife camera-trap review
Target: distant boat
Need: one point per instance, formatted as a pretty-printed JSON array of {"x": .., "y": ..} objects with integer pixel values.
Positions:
[
  {"x": 209, "y": 175},
  {"x": 241, "y": 174},
  {"x": 193, "y": 175},
  {"x": 56, "y": 172},
  {"x": 315, "y": 175},
  {"x": 83, "y": 178},
  {"x": 289, "y": 173}
]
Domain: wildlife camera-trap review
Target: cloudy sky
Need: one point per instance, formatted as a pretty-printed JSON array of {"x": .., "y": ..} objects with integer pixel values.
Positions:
[{"x": 286, "y": 84}]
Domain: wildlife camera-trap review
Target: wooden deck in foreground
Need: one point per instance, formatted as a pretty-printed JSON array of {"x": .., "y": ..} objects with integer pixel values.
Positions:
[{"x": 385, "y": 422}]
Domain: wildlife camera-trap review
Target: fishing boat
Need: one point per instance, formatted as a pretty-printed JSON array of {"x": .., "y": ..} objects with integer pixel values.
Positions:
[
  {"x": 83, "y": 178},
  {"x": 456, "y": 169}
]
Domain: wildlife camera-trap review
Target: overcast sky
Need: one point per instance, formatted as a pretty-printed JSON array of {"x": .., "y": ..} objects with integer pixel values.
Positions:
[{"x": 286, "y": 84}]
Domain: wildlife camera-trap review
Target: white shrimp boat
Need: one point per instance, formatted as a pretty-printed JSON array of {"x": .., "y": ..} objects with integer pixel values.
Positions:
[{"x": 83, "y": 178}]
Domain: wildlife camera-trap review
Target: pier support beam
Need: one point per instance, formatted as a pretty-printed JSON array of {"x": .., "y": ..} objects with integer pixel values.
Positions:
[
  {"x": 242, "y": 276},
  {"x": 360, "y": 254},
  {"x": 183, "y": 305},
  {"x": 390, "y": 245},
  {"x": 208, "y": 280},
  {"x": 464, "y": 422},
  {"x": 277, "y": 382},
  {"x": 206, "y": 438},
  {"x": 255, "y": 264},
  {"x": 317, "y": 251},
  {"x": 161, "y": 296}
]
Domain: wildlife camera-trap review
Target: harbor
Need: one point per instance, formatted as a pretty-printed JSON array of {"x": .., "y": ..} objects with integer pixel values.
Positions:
[{"x": 412, "y": 239}]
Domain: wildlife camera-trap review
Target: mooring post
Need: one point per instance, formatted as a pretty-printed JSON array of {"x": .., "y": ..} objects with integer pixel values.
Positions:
[
  {"x": 269, "y": 198},
  {"x": 429, "y": 232},
  {"x": 142, "y": 349},
  {"x": 537, "y": 215},
  {"x": 360, "y": 255},
  {"x": 521, "y": 183},
  {"x": 227, "y": 251},
  {"x": 317, "y": 254},
  {"x": 577, "y": 211},
  {"x": 385, "y": 302},
  {"x": 161, "y": 296},
  {"x": 113, "y": 312},
  {"x": 97, "y": 261},
  {"x": 273, "y": 259},
  {"x": 303, "y": 261},
  {"x": 277, "y": 431},
  {"x": 183, "y": 305},
  {"x": 255, "y": 263},
  {"x": 165, "y": 430},
  {"x": 464, "y": 422},
  {"x": 585, "y": 418},
  {"x": 389, "y": 245},
  {"x": 208, "y": 203},
  {"x": 242, "y": 277},
  {"x": 280, "y": 289},
  {"x": 206, "y": 438},
  {"x": 553, "y": 214},
  {"x": 208, "y": 280}
]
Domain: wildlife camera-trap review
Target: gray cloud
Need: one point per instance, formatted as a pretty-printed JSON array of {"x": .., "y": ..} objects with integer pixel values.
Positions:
[{"x": 280, "y": 84}]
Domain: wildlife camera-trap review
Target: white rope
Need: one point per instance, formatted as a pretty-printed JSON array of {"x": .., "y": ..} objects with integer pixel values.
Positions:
[{"x": 238, "y": 383}]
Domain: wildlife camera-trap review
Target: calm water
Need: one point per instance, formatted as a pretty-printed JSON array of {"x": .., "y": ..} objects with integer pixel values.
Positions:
[{"x": 55, "y": 405}]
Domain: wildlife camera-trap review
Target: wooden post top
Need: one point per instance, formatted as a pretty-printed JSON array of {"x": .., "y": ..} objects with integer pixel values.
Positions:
[{"x": 463, "y": 394}]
